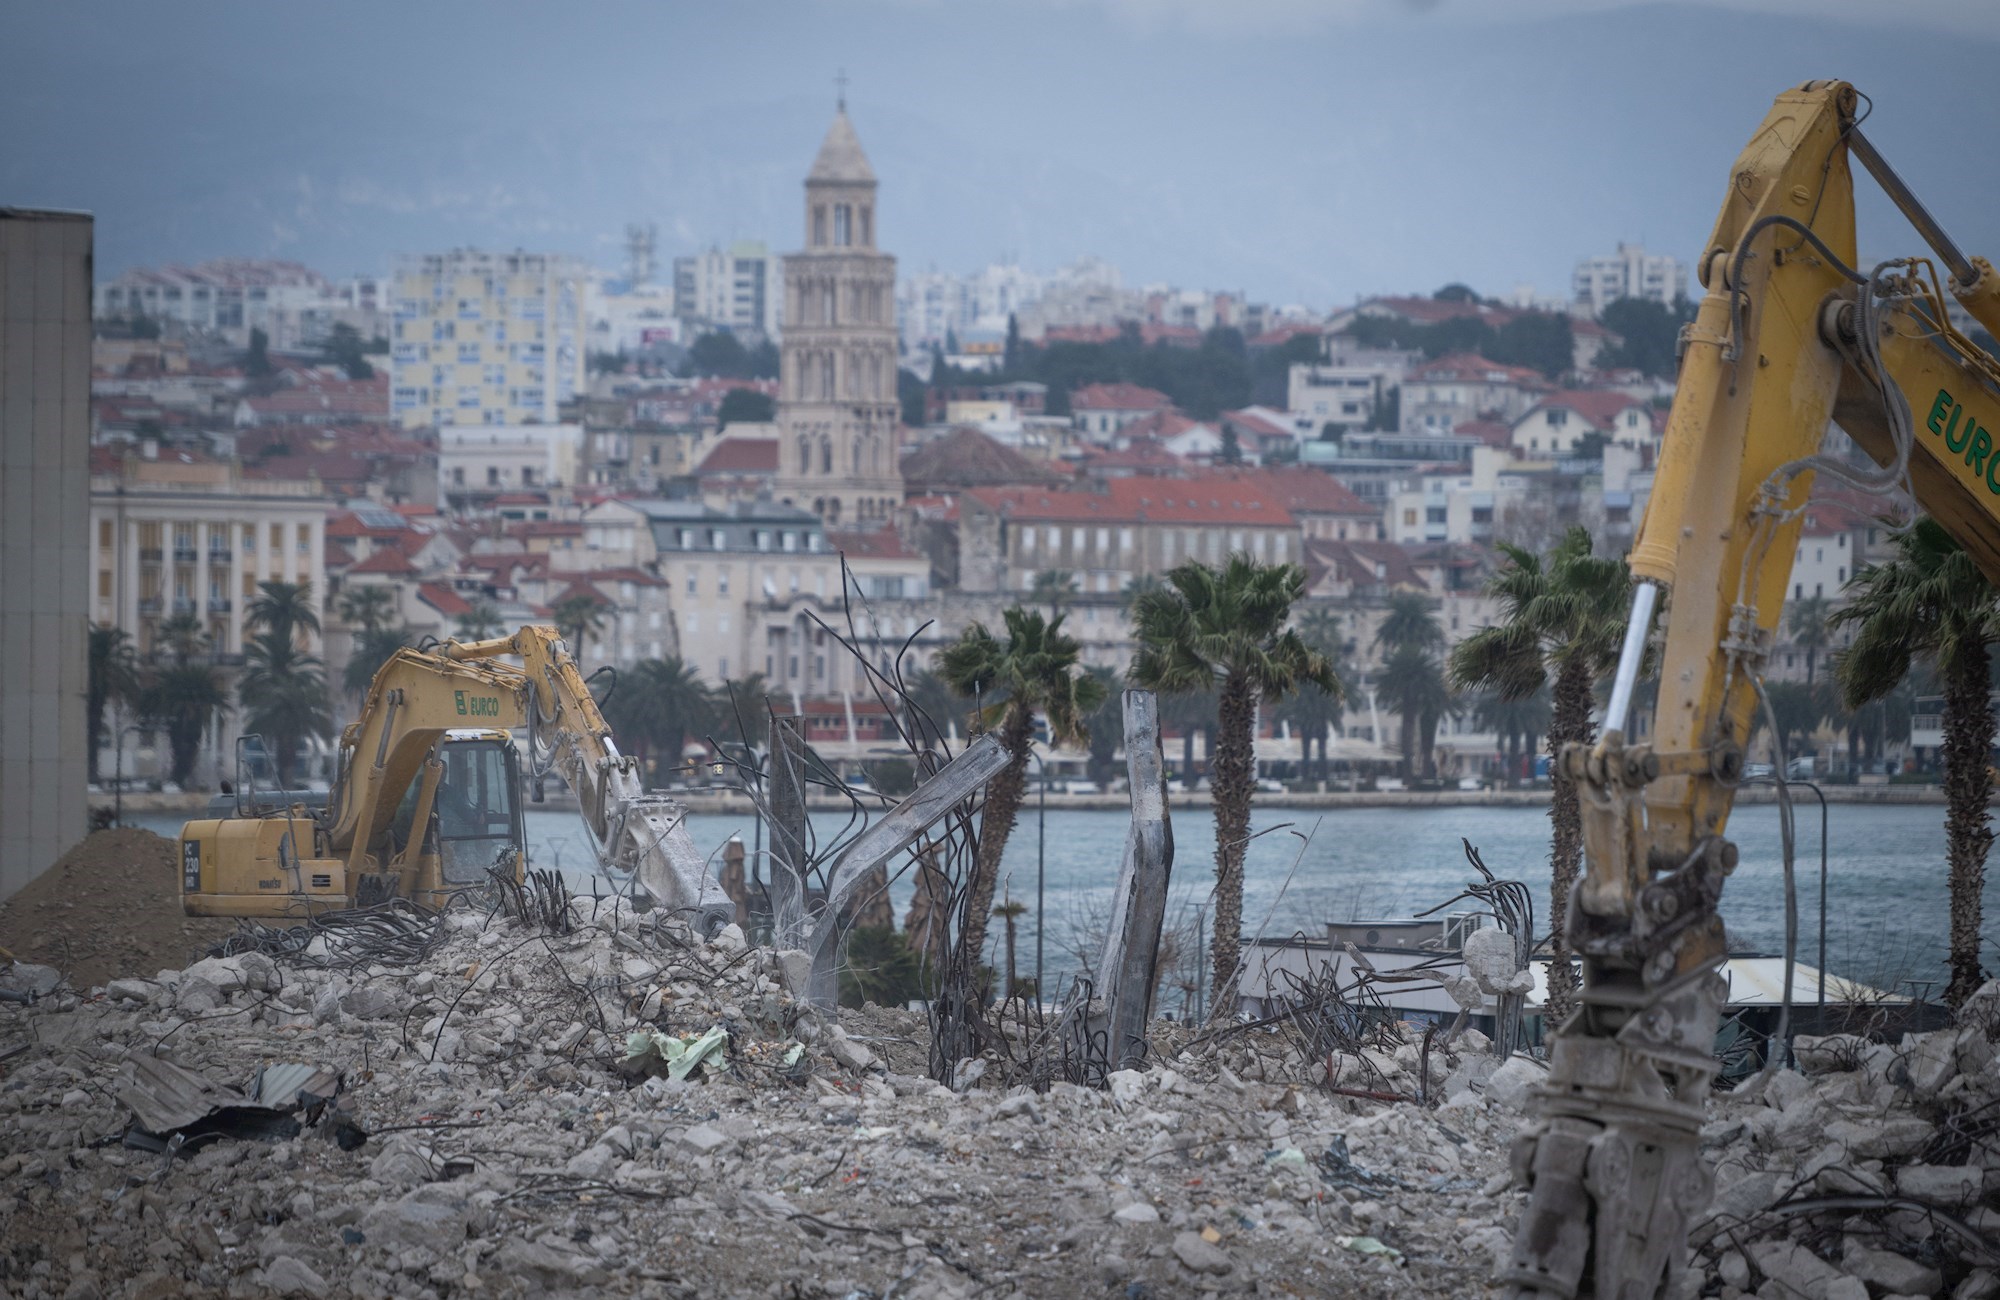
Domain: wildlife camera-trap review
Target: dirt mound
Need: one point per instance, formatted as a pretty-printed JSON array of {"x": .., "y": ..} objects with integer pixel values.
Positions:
[{"x": 111, "y": 906}]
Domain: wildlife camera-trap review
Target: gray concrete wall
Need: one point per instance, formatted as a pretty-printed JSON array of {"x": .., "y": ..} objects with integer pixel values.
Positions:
[{"x": 45, "y": 289}]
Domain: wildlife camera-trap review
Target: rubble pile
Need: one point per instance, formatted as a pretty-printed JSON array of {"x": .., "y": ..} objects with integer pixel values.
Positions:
[
  {"x": 627, "y": 1109},
  {"x": 1870, "y": 1171}
]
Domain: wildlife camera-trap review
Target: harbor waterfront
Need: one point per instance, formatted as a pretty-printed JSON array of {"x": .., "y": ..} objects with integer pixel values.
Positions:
[{"x": 1886, "y": 909}]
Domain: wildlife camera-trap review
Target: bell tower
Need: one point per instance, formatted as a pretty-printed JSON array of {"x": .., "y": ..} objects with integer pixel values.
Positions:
[{"x": 837, "y": 411}]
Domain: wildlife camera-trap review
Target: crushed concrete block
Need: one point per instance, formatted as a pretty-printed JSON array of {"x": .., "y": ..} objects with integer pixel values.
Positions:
[
  {"x": 1019, "y": 1106},
  {"x": 1507, "y": 1087},
  {"x": 1940, "y": 1184},
  {"x": 1890, "y": 1271},
  {"x": 1826, "y": 1053},
  {"x": 1792, "y": 1265},
  {"x": 225, "y": 973},
  {"x": 1127, "y": 1086},
  {"x": 413, "y": 1221},
  {"x": 195, "y": 996},
  {"x": 372, "y": 1002},
  {"x": 704, "y": 1140},
  {"x": 595, "y": 1162},
  {"x": 1198, "y": 1256},
  {"x": 289, "y": 1276},
  {"x": 129, "y": 991},
  {"x": 1138, "y": 1212},
  {"x": 849, "y": 1054},
  {"x": 1897, "y": 1138}
]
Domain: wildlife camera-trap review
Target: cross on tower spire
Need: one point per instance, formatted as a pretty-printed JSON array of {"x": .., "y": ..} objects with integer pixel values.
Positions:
[{"x": 840, "y": 86}]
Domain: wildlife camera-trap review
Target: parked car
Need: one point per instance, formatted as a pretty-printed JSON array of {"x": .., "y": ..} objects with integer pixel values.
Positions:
[
  {"x": 1265, "y": 785},
  {"x": 1753, "y": 770},
  {"x": 1471, "y": 783},
  {"x": 1389, "y": 783},
  {"x": 1080, "y": 786}
]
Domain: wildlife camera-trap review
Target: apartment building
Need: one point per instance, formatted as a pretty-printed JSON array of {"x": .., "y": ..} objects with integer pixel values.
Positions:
[
  {"x": 292, "y": 304},
  {"x": 479, "y": 462},
  {"x": 739, "y": 289},
  {"x": 181, "y": 534},
  {"x": 486, "y": 338},
  {"x": 1631, "y": 272}
]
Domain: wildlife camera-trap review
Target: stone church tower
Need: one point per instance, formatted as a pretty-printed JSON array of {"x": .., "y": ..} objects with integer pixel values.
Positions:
[{"x": 837, "y": 409}]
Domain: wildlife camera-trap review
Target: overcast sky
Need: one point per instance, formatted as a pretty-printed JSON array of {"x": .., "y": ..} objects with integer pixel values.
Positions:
[{"x": 1301, "y": 150}]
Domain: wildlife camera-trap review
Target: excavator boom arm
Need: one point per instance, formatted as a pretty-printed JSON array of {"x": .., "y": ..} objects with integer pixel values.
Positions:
[{"x": 1788, "y": 337}]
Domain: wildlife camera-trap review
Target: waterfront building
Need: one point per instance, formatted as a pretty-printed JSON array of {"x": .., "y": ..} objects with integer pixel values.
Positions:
[
  {"x": 736, "y": 289},
  {"x": 1631, "y": 272}
]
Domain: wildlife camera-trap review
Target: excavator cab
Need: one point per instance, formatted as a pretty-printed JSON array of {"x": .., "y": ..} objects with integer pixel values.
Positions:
[
  {"x": 476, "y": 817},
  {"x": 274, "y": 861}
]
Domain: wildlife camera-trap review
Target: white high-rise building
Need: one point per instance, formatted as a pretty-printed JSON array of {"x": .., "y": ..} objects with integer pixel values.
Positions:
[
  {"x": 737, "y": 289},
  {"x": 1631, "y": 272},
  {"x": 486, "y": 338}
]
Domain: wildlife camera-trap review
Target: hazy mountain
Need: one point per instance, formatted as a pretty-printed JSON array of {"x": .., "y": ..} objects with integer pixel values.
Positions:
[{"x": 1295, "y": 158}]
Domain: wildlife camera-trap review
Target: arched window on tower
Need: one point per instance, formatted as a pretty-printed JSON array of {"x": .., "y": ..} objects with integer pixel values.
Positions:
[
  {"x": 825, "y": 455},
  {"x": 819, "y": 225},
  {"x": 805, "y": 454},
  {"x": 843, "y": 225},
  {"x": 829, "y": 308},
  {"x": 826, "y": 376},
  {"x": 867, "y": 226},
  {"x": 856, "y": 458}
]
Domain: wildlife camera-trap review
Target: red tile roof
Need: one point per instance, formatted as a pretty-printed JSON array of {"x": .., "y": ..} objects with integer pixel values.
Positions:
[
  {"x": 1491, "y": 432},
  {"x": 1155, "y": 500},
  {"x": 1119, "y": 397},
  {"x": 627, "y": 574},
  {"x": 1303, "y": 490},
  {"x": 1597, "y": 406},
  {"x": 876, "y": 544},
  {"x": 1471, "y": 368},
  {"x": 387, "y": 560},
  {"x": 443, "y": 599},
  {"x": 741, "y": 456}
]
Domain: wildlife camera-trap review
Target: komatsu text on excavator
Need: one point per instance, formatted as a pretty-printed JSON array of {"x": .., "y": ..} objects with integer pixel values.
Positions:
[
  {"x": 426, "y": 800},
  {"x": 1789, "y": 335}
]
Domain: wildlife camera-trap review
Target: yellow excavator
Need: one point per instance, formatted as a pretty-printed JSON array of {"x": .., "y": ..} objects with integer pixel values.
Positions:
[
  {"x": 1791, "y": 334},
  {"x": 426, "y": 798}
]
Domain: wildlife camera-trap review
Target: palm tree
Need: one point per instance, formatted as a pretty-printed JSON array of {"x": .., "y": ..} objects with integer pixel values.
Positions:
[
  {"x": 1010, "y": 912},
  {"x": 658, "y": 703},
  {"x": 1033, "y": 671},
  {"x": 180, "y": 639},
  {"x": 1798, "y": 710},
  {"x": 1929, "y": 601},
  {"x": 1106, "y": 724},
  {"x": 1411, "y": 620},
  {"x": 284, "y": 609},
  {"x": 933, "y": 709},
  {"x": 479, "y": 622},
  {"x": 1225, "y": 629},
  {"x": 1410, "y": 638},
  {"x": 114, "y": 676},
  {"x": 1563, "y": 617},
  {"x": 182, "y": 700},
  {"x": 1513, "y": 722},
  {"x": 368, "y": 607},
  {"x": 1810, "y": 621},
  {"x": 373, "y": 648},
  {"x": 1414, "y": 678},
  {"x": 283, "y": 689},
  {"x": 578, "y": 618},
  {"x": 1312, "y": 712},
  {"x": 1054, "y": 588},
  {"x": 740, "y": 712},
  {"x": 1190, "y": 712}
]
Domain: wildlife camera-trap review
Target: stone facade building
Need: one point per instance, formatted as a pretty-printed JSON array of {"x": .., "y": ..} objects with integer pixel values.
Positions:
[{"x": 837, "y": 411}]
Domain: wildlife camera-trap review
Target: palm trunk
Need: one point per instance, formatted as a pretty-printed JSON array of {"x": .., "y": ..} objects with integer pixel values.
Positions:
[
  {"x": 1010, "y": 958},
  {"x": 1569, "y": 721},
  {"x": 1231, "y": 767},
  {"x": 1003, "y": 802},
  {"x": 1409, "y": 742},
  {"x": 1968, "y": 740},
  {"x": 1187, "y": 756}
]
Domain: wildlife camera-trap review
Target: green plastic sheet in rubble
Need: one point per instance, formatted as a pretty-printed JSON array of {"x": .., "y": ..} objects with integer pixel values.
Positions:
[{"x": 680, "y": 1053}]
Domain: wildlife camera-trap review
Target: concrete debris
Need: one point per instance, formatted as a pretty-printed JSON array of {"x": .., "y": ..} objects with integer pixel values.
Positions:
[
  {"x": 512, "y": 1155},
  {"x": 1869, "y": 1171}
]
